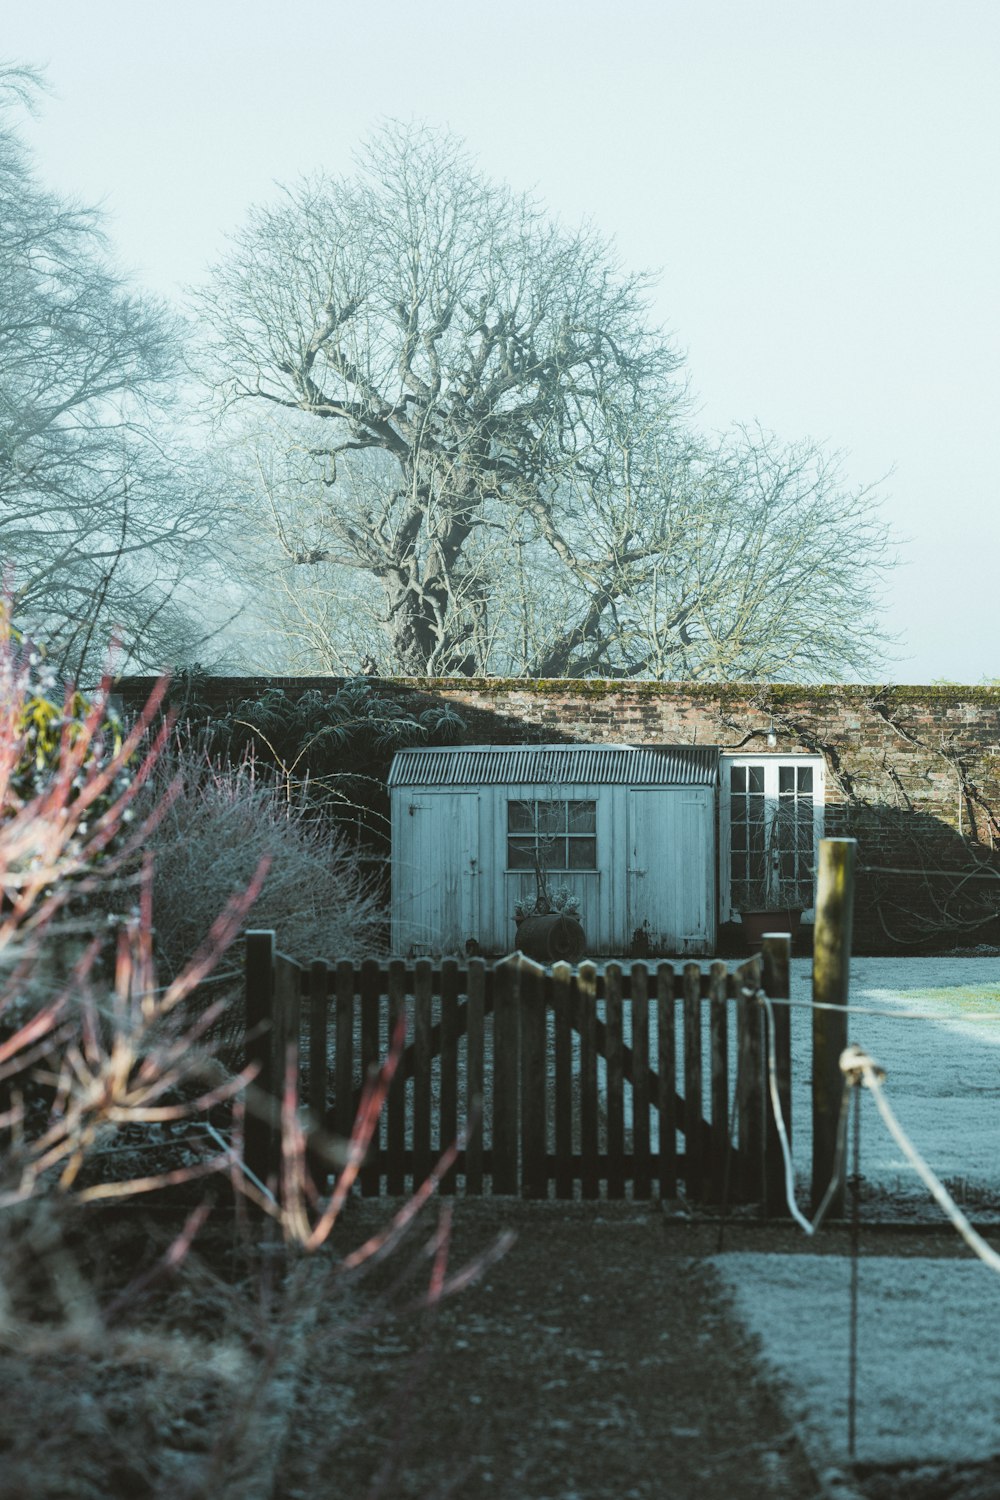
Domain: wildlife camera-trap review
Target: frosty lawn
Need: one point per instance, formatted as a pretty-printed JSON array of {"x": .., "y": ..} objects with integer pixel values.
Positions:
[
  {"x": 928, "y": 1376},
  {"x": 943, "y": 1074}
]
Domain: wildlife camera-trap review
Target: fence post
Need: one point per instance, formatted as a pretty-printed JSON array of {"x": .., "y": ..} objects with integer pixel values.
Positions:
[
  {"x": 776, "y": 983},
  {"x": 831, "y": 986},
  {"x": 262, "y": 1130}
]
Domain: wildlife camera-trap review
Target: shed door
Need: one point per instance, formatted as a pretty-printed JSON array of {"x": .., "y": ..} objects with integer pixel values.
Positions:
[
  {"x": 671, "y": 870},
  {"x": 435, "y": 872}
]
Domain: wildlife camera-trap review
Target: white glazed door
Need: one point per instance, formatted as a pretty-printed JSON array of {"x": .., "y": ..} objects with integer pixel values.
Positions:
[{"x": 771, "y": 820}]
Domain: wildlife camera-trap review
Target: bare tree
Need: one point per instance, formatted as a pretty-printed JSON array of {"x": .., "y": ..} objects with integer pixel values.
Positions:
[
  {"x": 472, "y": 460},
  {"x": 103, "y": 512}
]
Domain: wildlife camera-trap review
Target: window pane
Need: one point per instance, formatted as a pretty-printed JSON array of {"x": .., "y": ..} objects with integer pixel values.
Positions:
[
  {"x": 583, "y": 854},
  {"x": 756, "y": 778},
  {"x": 551, "y": 817},
  {"x": 520, "y": 815},
  {"x": 552, "y": 854},
  {"x": 738, "y": 778},
  {"x": 786, "y": 778},
  {"x": 520, "y": 854},
  {"x": 583, "y": 817},
  {"x": 806, "y": 779},
  {"x": 738, "y": 808}
]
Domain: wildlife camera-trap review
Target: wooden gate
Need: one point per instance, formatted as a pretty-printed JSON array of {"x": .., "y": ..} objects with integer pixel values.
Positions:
[{"x": 572, "y": 1082}]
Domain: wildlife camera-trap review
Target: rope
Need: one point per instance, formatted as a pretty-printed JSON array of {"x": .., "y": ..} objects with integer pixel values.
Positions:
[
  {"x": 867, "y": 1071},
  {"x": 852, "y": 1356},
  {"x": 808, "y": 1226},
  {"x": 890, "y": 1015}
]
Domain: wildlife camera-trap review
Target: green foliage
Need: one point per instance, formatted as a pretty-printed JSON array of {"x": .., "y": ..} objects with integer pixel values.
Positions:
[
  {"x": 333, "y": 750},
  {"x": 52, "y": 730}
]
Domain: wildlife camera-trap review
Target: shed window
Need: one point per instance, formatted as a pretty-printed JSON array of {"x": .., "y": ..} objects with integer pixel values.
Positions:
[{"x": 551, "y": 835}]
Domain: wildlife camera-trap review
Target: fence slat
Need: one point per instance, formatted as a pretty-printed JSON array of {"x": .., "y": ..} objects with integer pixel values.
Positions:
[
  {"x": 693, "y": 1122},
  {"x": 586, "y": 1000},
  {"x": 449, "y": 1063},
  {"x": 750, "y": 1104},
  {"x": 534, "y": 1161},
  {"x": 775, "y": 980},
  {"x": 616, "y": 1080},
  {"x": 423, "y": 980},
  {"x": 719, "y": 1068},
  {"x": 562, "y": 994},
  {"x": 474, "y": 1071},
  {"x": 642, "y": 1178},
  {"x": 395, "y": 1110},
  {"x": 505, "y": 1076},
  {"x": 371, "y": 998},
  {"x": 343, "y": 1057},
  {"x": 666, "y": 1062},
  {"x": 258, "y": 1144},
  {"x": 319, "y": 989}
]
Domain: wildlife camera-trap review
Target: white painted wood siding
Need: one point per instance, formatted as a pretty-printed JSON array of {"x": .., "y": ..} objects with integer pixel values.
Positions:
[
  {"x": 436, "y": 865},
  {"x": 670, "y": 877}
]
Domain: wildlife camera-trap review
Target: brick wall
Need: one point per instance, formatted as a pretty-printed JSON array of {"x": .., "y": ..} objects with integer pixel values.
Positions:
[{"x": 912, "y": 772}]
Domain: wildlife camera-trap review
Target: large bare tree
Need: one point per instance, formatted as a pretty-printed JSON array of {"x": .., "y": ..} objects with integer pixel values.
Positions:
[
  {"x": 104, "y": 513},
  {"x": 468, "y": 455}
]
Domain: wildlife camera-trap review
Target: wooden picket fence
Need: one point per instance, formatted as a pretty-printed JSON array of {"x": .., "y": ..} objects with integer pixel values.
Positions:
[{"x": 508, "y": 1053}]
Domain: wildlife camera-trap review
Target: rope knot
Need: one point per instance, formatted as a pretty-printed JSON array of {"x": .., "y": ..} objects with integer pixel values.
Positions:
[{"x": 857, "y": 1066}]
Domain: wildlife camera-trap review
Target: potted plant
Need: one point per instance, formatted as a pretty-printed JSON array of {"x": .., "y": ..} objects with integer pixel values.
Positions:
[
  {"x": 771, "y": 897},
  {"x": 550, "y": 929}
]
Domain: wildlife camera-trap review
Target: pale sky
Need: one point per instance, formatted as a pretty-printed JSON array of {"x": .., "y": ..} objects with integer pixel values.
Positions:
[{"x": 816, "y": 181}]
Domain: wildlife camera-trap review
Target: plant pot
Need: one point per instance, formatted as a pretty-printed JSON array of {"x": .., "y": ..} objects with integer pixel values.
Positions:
[
  {"x": 757, "y": 923},
  {"x": 551, "y": 937}
]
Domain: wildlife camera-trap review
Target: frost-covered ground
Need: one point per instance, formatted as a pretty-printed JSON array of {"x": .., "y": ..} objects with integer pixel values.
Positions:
[
  {"x": 929, "y": 1330},
  {"x": 943, "y": 1073},
  {"x": 928, "y": 1375}
]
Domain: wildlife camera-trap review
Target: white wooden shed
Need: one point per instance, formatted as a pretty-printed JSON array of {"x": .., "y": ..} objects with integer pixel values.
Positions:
[{"x": 629, "y": 831}]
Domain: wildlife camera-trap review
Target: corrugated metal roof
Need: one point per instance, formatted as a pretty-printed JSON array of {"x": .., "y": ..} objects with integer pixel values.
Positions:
[{"x": 558, "y": 765}]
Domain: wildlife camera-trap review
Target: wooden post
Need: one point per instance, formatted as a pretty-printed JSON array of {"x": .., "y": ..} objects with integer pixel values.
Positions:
[
  {"x": 831, "y": 986},
  {"x": 262, "y": 1132},
  {"x": 776, "y": 983}
]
